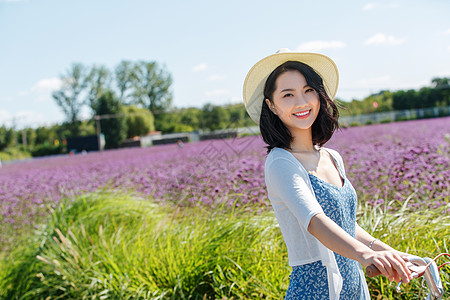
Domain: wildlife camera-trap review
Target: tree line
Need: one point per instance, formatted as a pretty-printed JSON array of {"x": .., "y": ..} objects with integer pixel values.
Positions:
[
  {"x": 142, "y": 84},
  {"x": 437, "y": 95},
  {"x": 131, "y": 100},
  {"x": 132, "y": 121},
  {"x": 138, "y": 97}
]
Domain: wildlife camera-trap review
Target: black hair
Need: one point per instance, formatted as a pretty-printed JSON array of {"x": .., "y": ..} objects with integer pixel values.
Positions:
[{"x": 274, "y": 132}]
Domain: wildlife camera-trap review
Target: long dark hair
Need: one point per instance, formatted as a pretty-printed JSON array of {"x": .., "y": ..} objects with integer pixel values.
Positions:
[{"x": 274, "y": 132}]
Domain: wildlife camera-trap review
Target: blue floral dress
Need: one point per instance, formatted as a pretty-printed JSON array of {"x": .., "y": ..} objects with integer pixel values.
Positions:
[{"x": 310, "y": 281}]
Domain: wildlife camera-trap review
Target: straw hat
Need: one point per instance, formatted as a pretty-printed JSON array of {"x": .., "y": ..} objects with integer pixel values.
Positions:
[{"x": 257, "y": 76}]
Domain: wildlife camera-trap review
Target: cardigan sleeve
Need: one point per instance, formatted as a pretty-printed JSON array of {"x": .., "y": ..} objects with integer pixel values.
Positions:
[{"x": 290, "y": 186}]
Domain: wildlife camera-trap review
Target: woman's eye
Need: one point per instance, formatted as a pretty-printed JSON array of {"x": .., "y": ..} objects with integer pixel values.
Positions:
[
  {"x": 309, "y": 90},
  {"x": 287, "y": 95}
]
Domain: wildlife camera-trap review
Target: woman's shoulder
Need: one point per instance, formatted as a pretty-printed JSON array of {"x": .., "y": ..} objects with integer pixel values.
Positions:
[
  {"x": 332, "y": 152},
  {"x": 281, "y": 162},
  {"x": 337, "y": 157},
  {"x": 280, "y": 155}
]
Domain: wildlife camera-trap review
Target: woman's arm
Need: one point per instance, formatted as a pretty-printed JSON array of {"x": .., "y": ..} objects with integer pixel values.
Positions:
[
  {"x": 365, "y": 238},
  {"x": 388, "y": 261}
]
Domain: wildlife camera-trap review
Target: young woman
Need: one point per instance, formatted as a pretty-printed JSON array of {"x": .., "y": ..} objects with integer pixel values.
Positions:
[{"x": 290, "y": 96}]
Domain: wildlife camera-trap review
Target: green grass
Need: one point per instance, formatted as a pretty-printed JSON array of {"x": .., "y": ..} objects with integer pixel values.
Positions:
[
  {"x": 14, "y": 153},
  {"x": 110, "y": 246},
  {"x": 424, "y": 233},
  {"x": 120, "y": 247}
]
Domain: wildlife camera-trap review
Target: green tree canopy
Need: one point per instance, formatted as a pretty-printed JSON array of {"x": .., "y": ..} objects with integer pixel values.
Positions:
[
  {"x": 124, "y": 76},
  {"x": 27, "y": 135},
  {"x": 443, "y": 86},
  {"x": 143, "y": 83},
  {"x": 98, "y": 81},
  {"x": 215, "y": 117},
  {"x": 68, "y": 97},
  {"x": 140, "y": 121},
  {"x": 7, "y": 137},
  {"x": 114, "y": 127},
  {"x": 46, "y": 135},
  {"x": 151, "y": 86},
  {"x": 440, "y": 83}
]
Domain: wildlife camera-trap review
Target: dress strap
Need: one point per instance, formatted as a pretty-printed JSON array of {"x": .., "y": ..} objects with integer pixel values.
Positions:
[{"x": 335, "y": 163}]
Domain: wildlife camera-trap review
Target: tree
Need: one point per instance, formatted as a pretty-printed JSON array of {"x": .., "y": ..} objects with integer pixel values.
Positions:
[
  {"x": 405, "y": 99},
  {"x": 151, "y": 86},
  {"x": 239, "y": 116},
  {"x": 428, "y": 97},
  {"x": 439, "y": 83},
  {"x": 191, "y": 117},
  {"x": 68, "y": 97},
  {"x": 442, "y": 85},
  {"x": 113, "y": 128},
  {"x": 7, "y": 137},
  {"x": 140, "y": 121},
  {"x": 27, "y": 135},
  {"x": 215, "y": 117},
  {"x": 124, "y": 79},
  {"x": 166, "y": 121},
  {"x": 46, "y": 135},
  {"x": 98, "y": 81}
]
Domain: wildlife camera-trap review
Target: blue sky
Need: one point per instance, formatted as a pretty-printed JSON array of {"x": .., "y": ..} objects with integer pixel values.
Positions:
[{"x": 209, "y": 46}]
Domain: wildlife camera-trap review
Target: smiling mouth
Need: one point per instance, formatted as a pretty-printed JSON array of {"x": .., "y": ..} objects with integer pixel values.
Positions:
[{"x": 303, "y": 114}]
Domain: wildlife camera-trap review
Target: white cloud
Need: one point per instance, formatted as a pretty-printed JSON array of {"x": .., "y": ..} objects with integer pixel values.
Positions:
[
  {"x": 216, "y": 77},
  {"x": 320, "y": 45},
  {"x": 369, "y": 6},
  {"x": 382, "y": 39},
  {"x": 28, "y": 117},
  {"x": 200, "y": 67},
  {"x": 43, "y": 88},
  {"x": 22, "y": 119},
  {"x": 47, "y": 85},
  {"x": 217, "y": 93},
  {"x": 448, "y": 48}
]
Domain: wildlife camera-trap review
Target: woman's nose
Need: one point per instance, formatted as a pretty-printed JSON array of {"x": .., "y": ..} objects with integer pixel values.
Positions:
[{"x": 301, "y": 100}]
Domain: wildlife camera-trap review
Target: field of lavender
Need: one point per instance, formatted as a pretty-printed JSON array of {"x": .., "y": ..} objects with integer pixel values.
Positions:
[{"x": 385, "y": 162}]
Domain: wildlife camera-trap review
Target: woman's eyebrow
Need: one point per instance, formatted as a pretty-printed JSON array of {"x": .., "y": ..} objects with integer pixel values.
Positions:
[
  {"x": 291, "y": 90},
  {"x": 287, "y": 90}
]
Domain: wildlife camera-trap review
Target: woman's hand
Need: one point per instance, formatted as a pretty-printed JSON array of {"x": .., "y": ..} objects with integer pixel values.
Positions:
[
  {"x": 388, "y": 261},
  {"x": 391, "y": 264},
  {"x": 393, "y": 256}
]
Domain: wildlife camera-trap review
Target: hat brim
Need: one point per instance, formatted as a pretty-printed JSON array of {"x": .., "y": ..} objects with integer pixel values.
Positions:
[{"x": 256, "y": 78}]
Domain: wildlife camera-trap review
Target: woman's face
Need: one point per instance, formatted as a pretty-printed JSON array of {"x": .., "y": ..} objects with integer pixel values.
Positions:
[{"x": 294, "y": 101}]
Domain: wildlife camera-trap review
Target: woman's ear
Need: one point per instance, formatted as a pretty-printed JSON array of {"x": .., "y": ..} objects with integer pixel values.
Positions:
[{"x": 270, "y": 105}]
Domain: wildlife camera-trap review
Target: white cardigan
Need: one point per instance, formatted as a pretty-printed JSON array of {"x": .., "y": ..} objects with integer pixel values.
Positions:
[{"x": 294, "y": 203}]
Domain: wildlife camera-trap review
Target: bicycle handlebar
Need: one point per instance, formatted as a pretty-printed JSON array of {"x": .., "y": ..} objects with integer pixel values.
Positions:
[{"x": 429, "y": 271}]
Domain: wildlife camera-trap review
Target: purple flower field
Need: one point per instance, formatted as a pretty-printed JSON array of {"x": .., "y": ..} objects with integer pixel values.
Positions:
[
  {"x": 393, "y": 161},
  {"x": 384, "y": 162}
]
